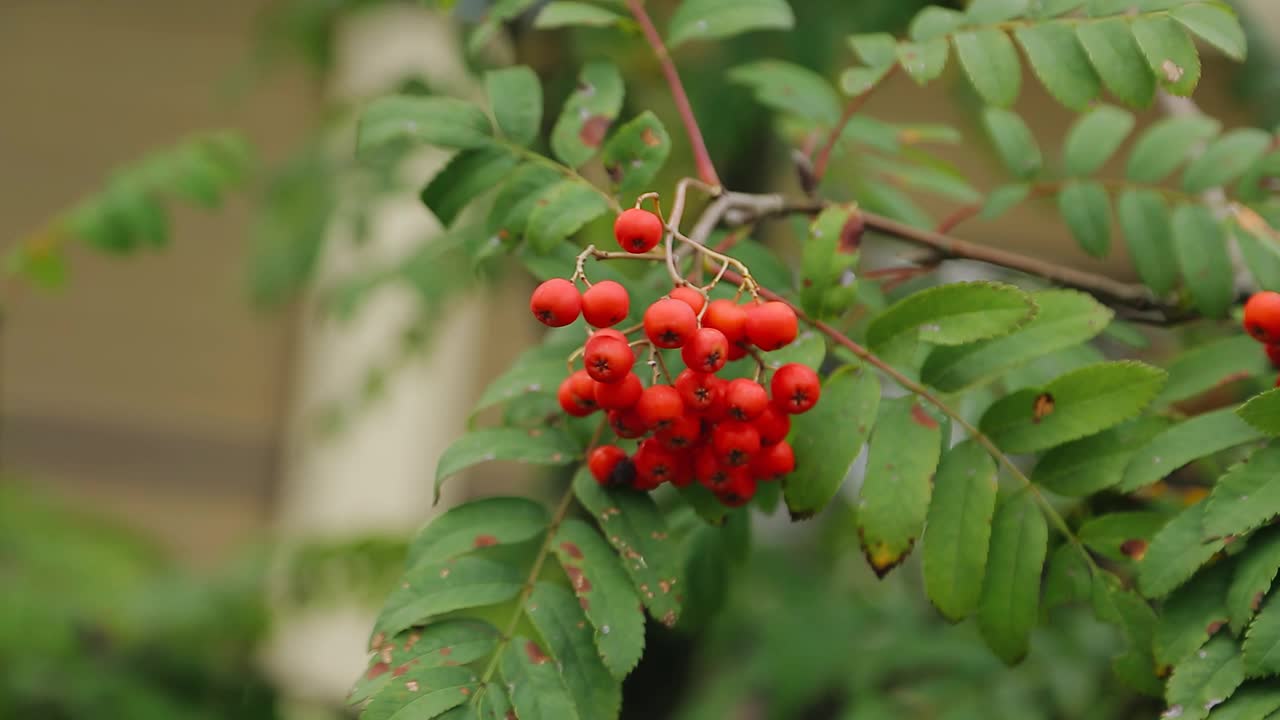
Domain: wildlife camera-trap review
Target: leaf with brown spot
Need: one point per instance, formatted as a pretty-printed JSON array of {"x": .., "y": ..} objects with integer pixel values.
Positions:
[
  {"x": 536, "y": 690},
  {"x": 1192, "y": 614},
  {"x": 556, "y": 614},
  {"x": 605, "y": 593},
  {"x": 478, "y": 524},
  {"x": 423, "y": 692},
  {"x": 1256, "y": 569},
  {"x": 428, "y": 590},
  {"x": 1042, "y": 406},
  {"x": 635, "y": 154},
  {"x": 588, "y": 113}
]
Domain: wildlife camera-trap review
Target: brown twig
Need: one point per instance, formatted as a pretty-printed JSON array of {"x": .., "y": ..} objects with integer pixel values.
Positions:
[
  {"x": 850, "y": 109},
  {"x": 706, "y": 169}
]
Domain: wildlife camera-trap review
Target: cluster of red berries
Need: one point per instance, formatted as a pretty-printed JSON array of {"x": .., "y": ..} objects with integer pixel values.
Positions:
[
  {"x": 725, "y": 434},
  {"x": 1262, "y": 322}
]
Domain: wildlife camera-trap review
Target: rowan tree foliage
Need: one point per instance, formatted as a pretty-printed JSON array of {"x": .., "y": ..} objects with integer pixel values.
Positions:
[{"x": 1009, "y": 436}]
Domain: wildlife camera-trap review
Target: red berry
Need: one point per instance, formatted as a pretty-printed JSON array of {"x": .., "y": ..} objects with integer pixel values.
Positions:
[
  {"x": 655, "y": 465},
  {"x": 605, "y": 303},
  {"x": 670, "y": 323},
  {"x": 771, "y": 325},
  {"x": 738, "y": 491},
  {"x": 737, "y": 350},
  {"x": 577, "y": 394},
  {"x": 772, "y": 424},
  {"x": 637, "y": 231},
  {"x": 745, "y": 399},
  {"x": 729, "y": 318},
  {"x": 604, "y": 461},
  {"x": 707, "y": 351},
  {"x": 556, "y": 302},
  {"x": 682, "y": 433},
  {"x": 608, "y": 359},
  {"x": 735, "y": 442},
  {"x": 689, "y": 296},
  {"x": 773, "y": 461},
  {"x": 620, "y": 395},
  {"x": 608, "y": 332},
  {"x": 708, "y": 471},
  {"x": 795, "y": 388},
  {"x": 659, "y": 406},
  {"x": 698, "y": 390},
  {"x": 1273, "y": 354},
  {"x": 1262, "y": 316},
  {"x": 627, "y": 424}
]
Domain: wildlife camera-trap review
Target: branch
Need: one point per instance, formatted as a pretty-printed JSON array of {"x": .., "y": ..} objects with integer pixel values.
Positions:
[
  {"x": 851, "y": 109},
  {"x": 706, "y": 170}
]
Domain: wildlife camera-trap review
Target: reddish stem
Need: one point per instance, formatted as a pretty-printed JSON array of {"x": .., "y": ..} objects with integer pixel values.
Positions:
[
  {"x": 706, "y": 170},
  {"x": 960, "y": 215},
  {"x": 851, "y": 109}
]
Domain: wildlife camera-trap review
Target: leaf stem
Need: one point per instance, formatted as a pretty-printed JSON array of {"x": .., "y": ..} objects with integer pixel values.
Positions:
[{"x": 850, "y": 109}]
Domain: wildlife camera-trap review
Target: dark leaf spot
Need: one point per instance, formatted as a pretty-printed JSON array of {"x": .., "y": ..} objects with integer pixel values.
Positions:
[
  {"x": 536, "y": 656},
  {"x": 1214, "y": 627},
  {"x": 571, "y": 549},
  {"x": 594, "y": 130},
  {"x": 1042, "y": 406},
  {"x": 851, "y": 233},
  {"x": 485, "y": 541},
  {"x": 923, "y": 418},
  {"x": 379, "y": 669},
  {"x": 1135, "y": 548},
  {"x": 648, "y": 137}
]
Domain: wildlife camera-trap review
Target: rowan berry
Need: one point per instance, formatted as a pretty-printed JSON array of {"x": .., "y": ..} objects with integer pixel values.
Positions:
[
  {"x": 608, "y": 332},
  {"x": 604, "y": 464},
  {"x": 772, "y": 424},
  {"x": 689, "y": 296},
  {"x": 745, "y": 398},
  {"x": 655, "y": 465},
  {"x": 577, "y": 394},
  {"x": 659, "y": 406},
  {"x": 1262, "y": 316},
  {"x": 682, "y": 433},
  {"x": 707, "y": 351},
  {"x": 1273, "y": 354},
  {"x": 698, "y": 390},
  {"x": 670, "y": 323},
  {"x": 606, "y": 303},
  {"x": 729, "y": 318},
  {"x": 773, "y": 461},
  {"x": 556, "y": 302},
  {"x": 771, "y": 325},
  {"x": 735, "y": 442},
  {"x": 738, "y": 490},
  {"x": 708, "y": 470},
  {"x": 795, "y": 388},
  {"x": 637, "y": 231},
  {"x": 627, "y": 424},
  {"x": 619, "y": 395},
  {"x": 608, "y": 359}
]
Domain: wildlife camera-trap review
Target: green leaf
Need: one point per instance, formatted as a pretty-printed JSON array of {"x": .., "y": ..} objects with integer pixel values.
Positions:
[
  {"x": 605, "y": 594},
  {"x": 636, "y": 529},
  {"x": 450, "y": 642},
  {"x": 1201, "y": 249},
  {"x": 1211, "y": 365},
  {"x": 1013, "y": 141},
  {"x": 1170, "y": 52},
  {"x": 539, "y": 369},
  {"x": 994, "y": 11},
  {"x": 1121, "y": 536},
  {"x": 554, "y": 611},
  {"x": 1094, "y": 138},
  {"x": 396, "y": 120},
  {"x": 1065, "y": 318},
  {"x": 1256, "y": 570},
  {"x": 41, "y": 263},
  {"x": 1263, "y": 411},
  {"x": 991, "y": 62},
  {"x": 1057, "y": 59},
  {"x": 1010, "y": 599},
  {"x": 1144, "y": 220},
  {"x": 1205, "y": 679},
  {"x": 856, "y": 81},
  {"x": 954, "y": 314},
  {"x": 1255, "y": 701},
  {"x": 1118, "y": 59},
  {"x": 706, "y": 505},
  {"x": 829, "y": 437},
  {"x": 635, "y": 154},
  {"x": 1175, "y": 553},
  {"x": 710, "y": 19},
  {"x": 469, "y": 174},
  {"x": 1134, "y": 617},
  {"x": 933, "y": 22},
  {"x": 791, "y": 89},
  {"x": 1214, "y": 23},
  {"x": 422, "y": 692},
  {"x": 876, "y": 50},
  {"x": 1191, "y": 615},
  {"x": 477, "y": 524},
  {"x": 924, "y": 61},
  {"x": 561, "y": 212},
  {"x": 1161, "y": 148},
  {"x": 538, "y": 447},
  {"x": 1003, "y": 199},
  {"x": 1088, "y": 465},
  {"x": 588, "y": 113},
  {"x": 428, "y": 590},
  {"x": 958, "y": 528},
  {"x": 1079, "y": 403},
  {"x": 1054, "y": 8},
  {"x": 1261, "y": 255},
  {"x": 809, "y": 348},
  {"x": 1195, "y": 438},
  {"x": 1086, "y": 208},
  {"x": 537, "y": 692},
  {"x": 493, "y": 704},
  {"x": 1247, "y": 496},
  {"x": 933, "y": 178},
  {"x": 516, "y": 98},
  {"x": 827, "y": 262},
  {"x": 1225, "y": 159},
  {"x": 1262, "y": 641},
  {"x": 517, "y": 199},
  {"x": 1068, "y": 579},
  {"x": 895, "y": 492},
  {"x": 562, "y": 13}
]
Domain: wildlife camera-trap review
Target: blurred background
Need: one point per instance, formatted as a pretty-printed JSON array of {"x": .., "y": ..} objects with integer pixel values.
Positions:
[{"x": 210, "y": 466}]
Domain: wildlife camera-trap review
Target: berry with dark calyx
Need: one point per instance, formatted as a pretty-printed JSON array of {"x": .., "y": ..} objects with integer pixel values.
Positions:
[
  {"x": 608, "y": 359},
  {"x": 659, "y": 406},
  {"x": 745, "y": 399},
  {"x": 738, "y": 491},
  {"x": 655, "y": 465},
  {"x": 1273, "y": 354},
  {"x": 627, "y": 424},
  {"x": 620, "y": 395},
  {"x": 670, "y": 323},
  {"x": 796, "y": 388},
  {"x": 706, "y": 352},
  {"x": 729, "y": 318},
  {"x": 773, "y": 461},
  {"x": 698, "y": 390},
  {"x": 735, "y": 442},
  {"x": 772, "y": 424},
  {"x": 682, "y": 433},
  {"x": 1262, "y": 316},
  {"x": 637, "y": 231},
  {"x": 606, "y": 303},
  {"x": 708, "y": 471},
  {"x": 577, "y": 394},
  {"x": 689, "y": 296},
  {"x": 608, "y": 333},
  {"x": 771, "y": 325},
  {"x": 604, "y": 464},
  {"x": 556, "y": 302}
]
